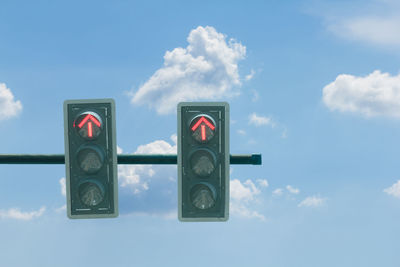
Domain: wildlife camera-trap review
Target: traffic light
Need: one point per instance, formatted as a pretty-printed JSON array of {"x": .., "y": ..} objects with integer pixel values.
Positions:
[
  {"x": 91, "y": 158},
  {"x": 203, "y": 161}
]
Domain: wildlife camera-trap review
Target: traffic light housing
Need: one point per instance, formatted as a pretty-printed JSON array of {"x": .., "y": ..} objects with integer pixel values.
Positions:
[
  {"x": 203, "y": 161},
  {"x": 91, "y": 158}
]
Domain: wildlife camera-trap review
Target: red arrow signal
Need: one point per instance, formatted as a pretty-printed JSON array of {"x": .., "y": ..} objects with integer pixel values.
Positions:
[
  {"x": 89, "y": 119},
  {"x": 92, "y": 118},
  {"x": 203, "y": 127},
  {"x": 203, "y": 119}
]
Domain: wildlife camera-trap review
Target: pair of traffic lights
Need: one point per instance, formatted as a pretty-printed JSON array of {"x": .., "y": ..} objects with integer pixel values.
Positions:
[{"x": 91, "y": 160}]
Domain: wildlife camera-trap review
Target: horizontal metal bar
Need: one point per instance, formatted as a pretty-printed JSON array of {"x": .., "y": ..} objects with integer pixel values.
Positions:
[
  {"x": 147, "y": 159},
  {"x": 252, "y": 159},
  {"x": 32, "y": 159}
]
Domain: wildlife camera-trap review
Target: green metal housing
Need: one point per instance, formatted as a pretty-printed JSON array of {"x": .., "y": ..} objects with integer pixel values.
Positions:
[
  {"x": 218, "y": 147},
  {"x": 105, "y": 179}
]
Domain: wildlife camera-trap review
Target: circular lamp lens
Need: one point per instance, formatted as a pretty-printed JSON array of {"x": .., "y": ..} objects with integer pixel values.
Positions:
[
  {"x": 203, "y": 162},
  {"x": 202, "y": 196},
  {"x": 91, "y": 193},
  {"x": 202, "y": 128},
  {"x": 90, "y": 159},
  {"x": 88, "y": 125}
]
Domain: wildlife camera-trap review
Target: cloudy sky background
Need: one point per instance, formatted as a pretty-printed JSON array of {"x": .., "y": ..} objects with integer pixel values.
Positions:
[{"x": 314, "y": 86}]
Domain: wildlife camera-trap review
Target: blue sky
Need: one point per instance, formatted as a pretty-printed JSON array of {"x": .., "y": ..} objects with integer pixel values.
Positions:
[{"x": 314, "y": 86}]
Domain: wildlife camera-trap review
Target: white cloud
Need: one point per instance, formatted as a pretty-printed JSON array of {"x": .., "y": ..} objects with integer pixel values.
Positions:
[
  {"x": 243, "y": 191},
  {"x": 312, "y": 201},
  {"x": 158, "y": 147},
  {"x": 277, "y": 192},
  {"x": 250, "y": 75},
  {"x": 15, "y": 213},
  {"x": 377, "y": 94},
  {"x": 133, "y": 176},
  {"x": 245, "y": 212},
  {"x": 292, "y": 190},
  {"x": 8, "y": 106},
  {"x": 207, "y": 69},
  {"x": 394, "y": 190},
  {"x": 63, "y": 208},
  {"x": 63, "y": 186},
  {"x": 377, "y": 30},
  {"x": 374, "y": 22},
  {"x": 243, "y": 197},
  {"x": 260, "y": 120},
  {"x": 149, "y": 189},
  {"x": 137, "y": 177},
  {"x": 262, "y": 182}
]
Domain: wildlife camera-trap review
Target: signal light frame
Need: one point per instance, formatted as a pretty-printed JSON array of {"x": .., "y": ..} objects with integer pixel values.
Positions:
[
  {"x": 98, "y": 115},
  {"x": 219, "y": 211}
]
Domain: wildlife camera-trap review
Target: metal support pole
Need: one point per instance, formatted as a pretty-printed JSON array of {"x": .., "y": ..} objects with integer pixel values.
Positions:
[{"x": 252, "y": 159}]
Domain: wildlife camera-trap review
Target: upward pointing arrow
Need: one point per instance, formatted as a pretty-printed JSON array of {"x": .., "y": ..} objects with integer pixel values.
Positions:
[
  {"x": 89, "y": 117},
  {"x": 202, "y": 119},
  {"x": 201, "y": 123}
]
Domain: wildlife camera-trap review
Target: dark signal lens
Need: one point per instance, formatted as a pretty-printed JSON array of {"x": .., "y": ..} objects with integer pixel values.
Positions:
[
  {"x": 203, "y": 162},
  {"x": 202, "y": 196},
  {"x": 91, "y": 193},
  {"x": 90, "y": 158}
]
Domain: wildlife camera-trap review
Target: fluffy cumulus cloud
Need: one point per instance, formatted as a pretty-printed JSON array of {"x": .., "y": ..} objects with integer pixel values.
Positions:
[
  {"x": 312, "y": 201},
  {"x": 207, "y": 69},
  {"x": 17, "y": 214},
  {"x": 9, "y": 107},
  {"x": 137, "y": 177},
  {"x": 377, "y": 94},
  {"x": 243, "y": 191},
  {"x": 394, "y": 190},
  {"x": 149, "y": 189},
  {"x": 243, "y": 198}
]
